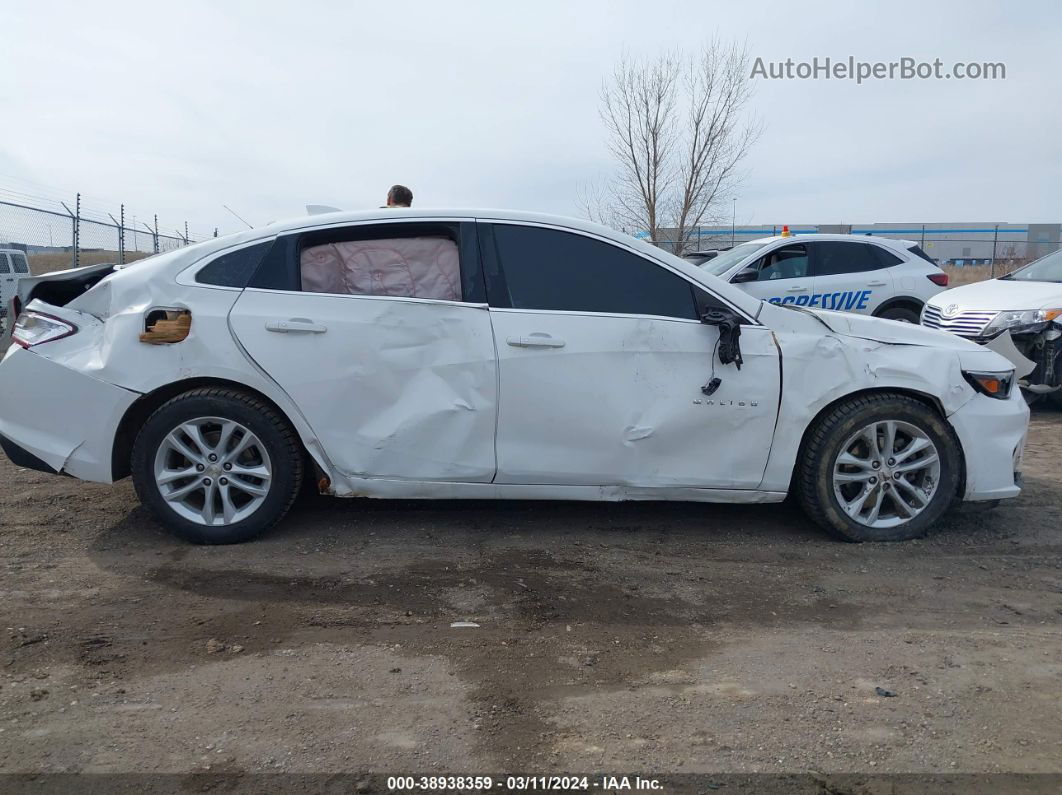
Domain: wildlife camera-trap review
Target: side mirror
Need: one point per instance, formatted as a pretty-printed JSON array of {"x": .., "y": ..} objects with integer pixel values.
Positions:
[{"x": 747, "y": 275}]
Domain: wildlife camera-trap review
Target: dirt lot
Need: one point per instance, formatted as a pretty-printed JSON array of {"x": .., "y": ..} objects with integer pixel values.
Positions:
[{"x": 615, "y": 638}]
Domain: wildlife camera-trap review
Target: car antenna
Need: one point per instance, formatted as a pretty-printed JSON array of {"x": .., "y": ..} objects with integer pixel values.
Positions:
[{"x": 237, "y": 215}]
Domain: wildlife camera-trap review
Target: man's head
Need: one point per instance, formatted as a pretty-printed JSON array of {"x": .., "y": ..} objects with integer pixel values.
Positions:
[{"x": 399, "y": 196}]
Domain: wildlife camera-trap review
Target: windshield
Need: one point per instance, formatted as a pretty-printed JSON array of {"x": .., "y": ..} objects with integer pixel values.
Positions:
[
  {"x": 728, "y": 259},
  {"x": 1045, "y": 269}
]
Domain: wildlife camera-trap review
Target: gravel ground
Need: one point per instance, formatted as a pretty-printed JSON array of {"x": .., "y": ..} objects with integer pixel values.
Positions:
[{"x": 622, "y": 638}]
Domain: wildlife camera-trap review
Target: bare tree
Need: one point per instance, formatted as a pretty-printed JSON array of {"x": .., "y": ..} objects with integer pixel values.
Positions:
[{"x": 678, "y": 129}]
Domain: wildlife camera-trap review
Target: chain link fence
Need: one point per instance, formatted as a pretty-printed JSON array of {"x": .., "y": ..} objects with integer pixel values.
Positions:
[{"x": 57, "y": 235}]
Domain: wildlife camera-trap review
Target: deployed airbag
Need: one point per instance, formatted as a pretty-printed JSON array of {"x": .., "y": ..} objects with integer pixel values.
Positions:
[{"x": 412, "y": 267}]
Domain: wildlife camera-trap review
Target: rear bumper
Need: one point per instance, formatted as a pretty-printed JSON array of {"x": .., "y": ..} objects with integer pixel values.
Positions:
[
  {"x": 992, "y": 433},
  {"x": 58, "y": 417}
]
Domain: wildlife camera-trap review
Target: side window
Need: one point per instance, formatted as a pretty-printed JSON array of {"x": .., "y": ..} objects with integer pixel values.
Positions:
[
  {"x": 836, "y": 256},
  {"x": 235, "y": 268},
  {"x": 787, "y": 262},
  {"x": 438, "y": 260},
  {"x": 19, "y": 262},
  {"x": 917, "y": 251},
  {"x": 4, "y": 267},
  {"x": 402, "y": 267},
  {"x": 886, "y": 259},
  {"x": 554, "y": 270}
]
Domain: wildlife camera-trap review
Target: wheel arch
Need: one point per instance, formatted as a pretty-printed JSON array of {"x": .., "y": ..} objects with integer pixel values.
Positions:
[
  {"x": 900, "y": 302},
  {"x": 146, "y": 405},
  {"x": 922, "y": 397}
]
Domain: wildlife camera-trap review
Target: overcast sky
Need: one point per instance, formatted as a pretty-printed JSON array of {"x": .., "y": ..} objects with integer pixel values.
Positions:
[{"x": 178, "y": 108}]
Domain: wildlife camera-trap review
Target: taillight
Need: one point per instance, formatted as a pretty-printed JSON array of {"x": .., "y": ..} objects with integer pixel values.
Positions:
[
  {"x": 36, "y": 328},
  {"x": 940, "y": 279},
  {"x": 16, "y": 304}
]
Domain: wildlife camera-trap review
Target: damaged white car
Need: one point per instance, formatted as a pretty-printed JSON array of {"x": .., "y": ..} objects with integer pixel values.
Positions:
[{"x": 463, "y": 354}]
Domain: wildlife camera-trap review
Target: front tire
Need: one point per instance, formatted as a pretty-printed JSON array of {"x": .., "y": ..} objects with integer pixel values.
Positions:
[
  {"x": 880, "y": 467},
  {"x": 217, "y": 466}
]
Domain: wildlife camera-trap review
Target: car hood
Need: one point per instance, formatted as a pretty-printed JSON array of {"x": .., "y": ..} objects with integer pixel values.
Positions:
[
  {"x": 1001, "y": 295},
  {"x": 892, "y": 332}
]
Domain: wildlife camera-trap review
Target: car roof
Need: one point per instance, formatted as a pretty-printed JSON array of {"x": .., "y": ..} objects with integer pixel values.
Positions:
[
  {"x": 180, "y": 258},
  {"x": 888, "y": 241},
  {"x": 398, "y": 213}
]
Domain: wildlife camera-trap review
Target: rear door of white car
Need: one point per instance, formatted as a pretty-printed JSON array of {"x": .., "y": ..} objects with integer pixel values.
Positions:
[
  {"x": 602, "y": 360},
  {"x": 850, "y": 276},
  {"x": 381, "y": 335}
]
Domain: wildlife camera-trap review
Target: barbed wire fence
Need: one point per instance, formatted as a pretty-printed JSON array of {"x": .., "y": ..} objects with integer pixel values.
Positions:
[{"x": 55, "y": 233}]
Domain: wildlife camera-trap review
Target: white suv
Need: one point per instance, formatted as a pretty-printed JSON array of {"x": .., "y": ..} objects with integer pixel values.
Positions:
[{"x": 876, "y": 276}]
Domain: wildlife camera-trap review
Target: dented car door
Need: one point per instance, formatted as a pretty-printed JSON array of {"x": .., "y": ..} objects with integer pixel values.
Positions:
[
  {"x": 602, "y": 361},
  {"x": 374, "y": 335}
]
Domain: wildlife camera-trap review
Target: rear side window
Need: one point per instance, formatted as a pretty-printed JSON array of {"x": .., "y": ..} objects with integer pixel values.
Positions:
[
  {"x": 886, "y": 259},
  {"x": 917, "y": 250},
  {"x": 400, "y": 267},
  {"x": 4, "y": 267},
  {"x": 19, "y": 263},
  {"x": 553, "y": 270},
  {"x": 835, "y": 256},
  {"x": 435, "y": 260},
  {"x": 235, "y": 268}
]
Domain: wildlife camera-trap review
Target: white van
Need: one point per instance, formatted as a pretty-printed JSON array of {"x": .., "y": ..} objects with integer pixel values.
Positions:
[{"x": 13, "y": 267}]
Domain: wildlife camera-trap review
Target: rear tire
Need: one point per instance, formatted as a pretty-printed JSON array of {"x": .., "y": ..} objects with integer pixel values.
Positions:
[
  {"x": 870, "y": 499},
  {"x": 902, "y": 314},
  {"x": 217, "y": 466}
]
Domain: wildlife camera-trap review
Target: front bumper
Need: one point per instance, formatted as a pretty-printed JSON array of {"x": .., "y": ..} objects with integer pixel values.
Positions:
[
  {"x": 992, "y": 433},
  {"x": 58, "y": 416}
]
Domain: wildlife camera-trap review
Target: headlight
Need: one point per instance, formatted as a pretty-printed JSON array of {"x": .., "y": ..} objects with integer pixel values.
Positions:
[
  {"x": 1017, "y": 319},
  {"x": 994, "y": 385},
  {"x": 35, "y": 328}
]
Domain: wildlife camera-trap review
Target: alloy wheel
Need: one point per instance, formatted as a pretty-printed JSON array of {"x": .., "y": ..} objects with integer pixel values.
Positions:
[
  {"x": 213, "y": 471},
  {"x": 886, "y": 473}
]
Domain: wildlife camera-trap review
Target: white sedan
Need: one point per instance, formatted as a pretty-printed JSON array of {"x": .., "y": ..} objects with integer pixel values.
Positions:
[{"x": 489, "y": 354}]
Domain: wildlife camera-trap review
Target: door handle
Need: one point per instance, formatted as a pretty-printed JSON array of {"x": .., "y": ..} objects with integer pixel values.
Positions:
[
  {"x": 876, "y": 284},
  {"x": 796, "y": 289},
  {"x": 295, "y": 325},
  {"x": 535, "y": 341}
]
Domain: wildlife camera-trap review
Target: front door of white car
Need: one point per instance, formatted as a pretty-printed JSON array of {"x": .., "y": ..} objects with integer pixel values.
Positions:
[
  {"x": 602, "y": 360},
  {"x": 370, "y": 330},
  {"x": 783, "y": 275}
]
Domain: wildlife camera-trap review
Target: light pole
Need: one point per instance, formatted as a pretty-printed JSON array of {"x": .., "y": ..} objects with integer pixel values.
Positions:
[{"x": 733, "y": 225}]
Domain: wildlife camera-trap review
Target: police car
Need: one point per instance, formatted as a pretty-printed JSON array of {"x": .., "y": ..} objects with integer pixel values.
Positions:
[{"x": 877, "y": 276}]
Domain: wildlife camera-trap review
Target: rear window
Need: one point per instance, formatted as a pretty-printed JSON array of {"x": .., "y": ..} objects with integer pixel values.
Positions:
[{"x": 18, "y": 261}]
